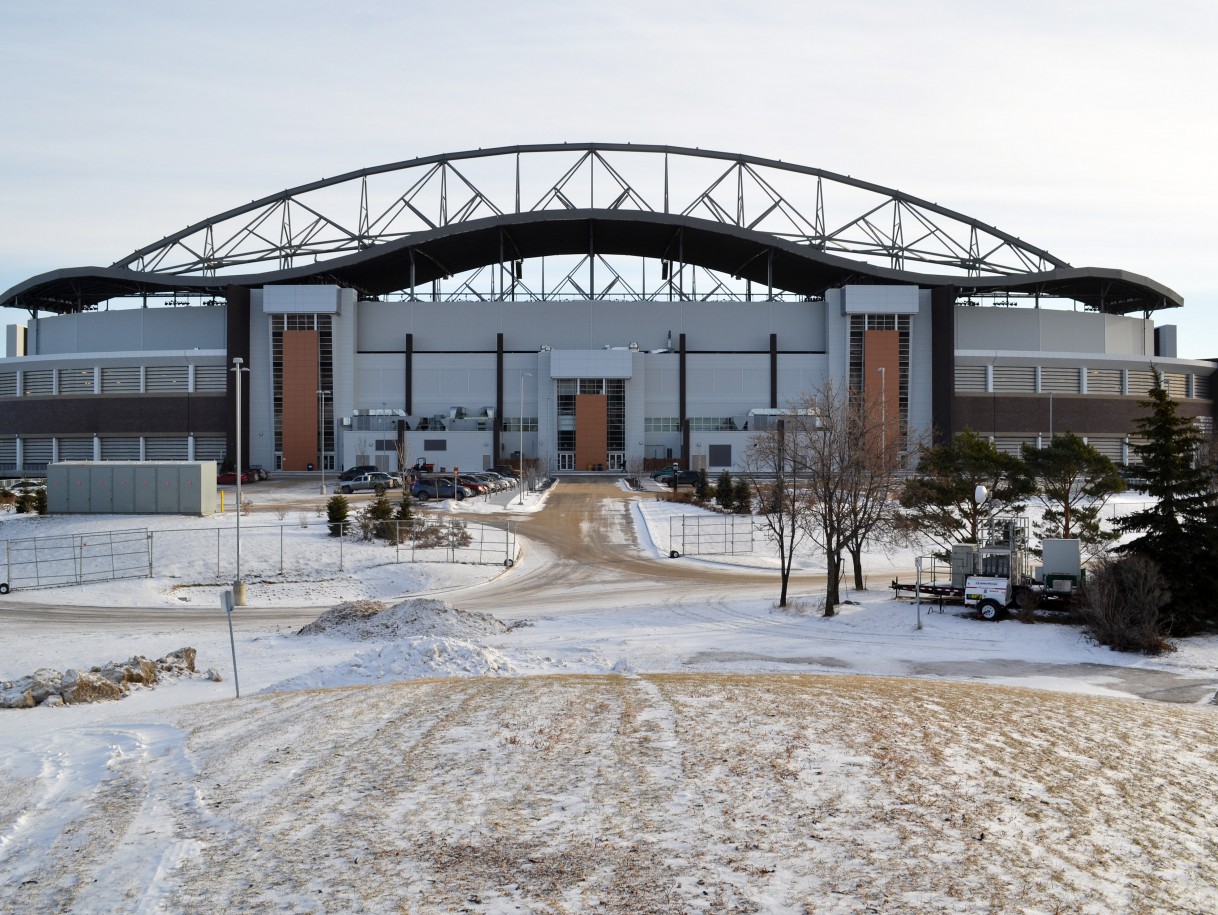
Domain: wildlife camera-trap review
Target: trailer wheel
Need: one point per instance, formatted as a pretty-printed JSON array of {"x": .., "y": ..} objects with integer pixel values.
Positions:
[
  {"x": 508, "y": 563},
  {"x": 674, "y": 554},
  {"x": 3, "y": 587},
  {"x": 989, "y": 610}
]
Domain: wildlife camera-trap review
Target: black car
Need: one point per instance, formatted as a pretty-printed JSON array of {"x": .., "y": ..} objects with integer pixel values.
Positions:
[
  {"x": 352, "y": 472},
  {"x": 679, "y": 478}
]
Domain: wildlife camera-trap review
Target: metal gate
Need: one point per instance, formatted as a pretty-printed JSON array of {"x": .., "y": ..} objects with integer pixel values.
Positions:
[
  {"x": 710, "y": 535},
  {"x": 73, "y": 559}
]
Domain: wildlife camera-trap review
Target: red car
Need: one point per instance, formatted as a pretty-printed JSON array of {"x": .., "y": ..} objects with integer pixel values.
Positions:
[{"x": 230, "y": 478}]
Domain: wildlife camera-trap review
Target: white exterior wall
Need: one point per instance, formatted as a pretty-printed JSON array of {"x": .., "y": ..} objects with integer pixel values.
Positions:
[
  {"x": 1052, "y": 330},
  {"x": 127, "y": 329}
]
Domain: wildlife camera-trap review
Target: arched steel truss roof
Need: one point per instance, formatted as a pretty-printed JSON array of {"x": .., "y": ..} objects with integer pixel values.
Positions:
[{"x": 779, "y": 225}]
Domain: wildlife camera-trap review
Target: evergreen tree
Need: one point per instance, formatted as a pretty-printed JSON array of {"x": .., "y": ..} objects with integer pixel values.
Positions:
[
  {"x": 1179, "y": 531},
  {"x": 1073, "y": 481},
  {"x": 742, "y": 498},
  {"x": 337, "y": 509},
  {"x": 938, "y": 501},
  {"x": 702, "y": 487},
  {"x": 725, "y": 491}
]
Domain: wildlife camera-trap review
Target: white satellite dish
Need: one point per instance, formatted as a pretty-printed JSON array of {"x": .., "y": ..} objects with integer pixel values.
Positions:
[{"x": 980, "y": 494}]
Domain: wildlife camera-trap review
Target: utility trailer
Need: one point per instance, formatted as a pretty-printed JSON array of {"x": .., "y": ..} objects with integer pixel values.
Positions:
[{"x": 993, "y": 576}]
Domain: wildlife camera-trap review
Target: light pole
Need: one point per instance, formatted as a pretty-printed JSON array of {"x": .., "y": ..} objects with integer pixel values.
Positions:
[
  {"x": 523, "y": 376},
  {"x": 321, "y": 429},
  {"x": 238, "y": 585}
]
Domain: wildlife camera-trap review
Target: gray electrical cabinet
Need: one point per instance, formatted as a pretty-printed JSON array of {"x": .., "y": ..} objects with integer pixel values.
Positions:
[{"x": 143, "y": 488}]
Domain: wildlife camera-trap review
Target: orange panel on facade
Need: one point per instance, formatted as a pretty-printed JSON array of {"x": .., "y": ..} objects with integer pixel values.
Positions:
[
  {"x": 882, "y": 350},
  {"x": 300, "y": 404},
  {"x": 591, "y": 431}
]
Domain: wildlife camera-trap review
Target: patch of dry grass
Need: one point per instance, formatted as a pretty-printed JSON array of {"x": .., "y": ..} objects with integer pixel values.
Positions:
[{"x": 698, "y": 793}]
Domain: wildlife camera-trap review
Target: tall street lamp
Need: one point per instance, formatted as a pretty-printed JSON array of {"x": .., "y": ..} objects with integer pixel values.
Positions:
[
  {"x": 238, "y": 585},
  {"x": 321, "y": 431},
  {"x": 520, "y": 482}
]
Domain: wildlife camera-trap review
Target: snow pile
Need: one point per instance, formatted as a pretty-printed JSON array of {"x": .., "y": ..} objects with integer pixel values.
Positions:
[
  {"x": 406, "y": 659},
  {"x": 369, "y": 620}
]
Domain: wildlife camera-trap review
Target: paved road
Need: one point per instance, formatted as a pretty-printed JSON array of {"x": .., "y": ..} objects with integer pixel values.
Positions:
[{"x": 587, "y": 547}]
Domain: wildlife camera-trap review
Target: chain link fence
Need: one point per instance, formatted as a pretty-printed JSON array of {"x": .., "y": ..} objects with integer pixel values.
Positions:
[{"x": 201, "y": 554}]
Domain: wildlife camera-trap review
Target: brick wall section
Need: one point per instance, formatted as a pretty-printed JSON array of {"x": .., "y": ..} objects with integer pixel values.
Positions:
[
  {"x": 300, "y": 402},
  {"x": 882, "y": 349},
  {"x": 1082, "y": 414},
  {"x": 591, "y": 430}
]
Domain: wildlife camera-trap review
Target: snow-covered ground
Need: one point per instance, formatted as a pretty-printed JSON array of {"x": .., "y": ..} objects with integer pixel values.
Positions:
[{"x": 714, "y": 754}]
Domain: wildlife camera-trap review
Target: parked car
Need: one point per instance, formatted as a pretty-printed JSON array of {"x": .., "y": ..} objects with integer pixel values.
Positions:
[
  {"x": 259, "y": 472},
  {"x": 498, "y": 483},
  {"x": 229, "y": 478},
  {"x": 683, "y": 477},
  {"x": 475, "y": 486},
  {"x": 352, "y": 472},
  {"x": 27, "y": 486},
  {"x": 437, "y": 488},
  {"x": 377, "y": 482}
]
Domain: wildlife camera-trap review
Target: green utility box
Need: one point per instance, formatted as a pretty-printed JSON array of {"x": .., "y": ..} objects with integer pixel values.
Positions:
[{"x": 139, "y": 488}]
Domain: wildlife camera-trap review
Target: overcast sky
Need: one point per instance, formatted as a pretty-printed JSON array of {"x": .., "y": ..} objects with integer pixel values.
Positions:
[{"x": 1089, "y": 129}]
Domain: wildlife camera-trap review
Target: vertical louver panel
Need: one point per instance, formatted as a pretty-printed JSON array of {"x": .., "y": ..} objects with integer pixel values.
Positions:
[
  {"x": 970, "y": 378},
  {"x": 120, "y": 448},
  {"x": 120, "y": 379},
  {"x": 210, "y": 447},
  {"x": 165, "y": 448},
  {"x": 211, "y": 378},
  {"x": 76, "y": 449},
  {"x": 37, "y": 382},
  {"x": 1058, "y": 380},
  {"x": 76, "y": 381},
  {"x": 165, "y": 379},
  {"x": 1103, "y": 381},
  {"x": 1014, "y": 379}
]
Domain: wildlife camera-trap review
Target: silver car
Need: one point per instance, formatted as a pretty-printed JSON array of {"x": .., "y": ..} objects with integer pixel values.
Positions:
[{"x": 376, "y": 482}]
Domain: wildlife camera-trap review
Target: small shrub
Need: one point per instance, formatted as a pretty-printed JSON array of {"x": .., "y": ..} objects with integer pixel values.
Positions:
[
  {"x": 247, "y": 505},
  {"x": 303, "y": 518},
  {"x": 684, "y": 497},
  {"x": 337, "y": 510},
  {"x": 1121, "y": 605},
  {"x": 281, "y": 513}
]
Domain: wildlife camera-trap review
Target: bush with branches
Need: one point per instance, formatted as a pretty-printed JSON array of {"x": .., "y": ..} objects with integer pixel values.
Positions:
[{"x": 1122, "y": 605}]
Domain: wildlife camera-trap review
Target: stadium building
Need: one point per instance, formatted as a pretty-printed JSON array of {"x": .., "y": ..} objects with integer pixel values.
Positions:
[{"x": 593, "y": 306}]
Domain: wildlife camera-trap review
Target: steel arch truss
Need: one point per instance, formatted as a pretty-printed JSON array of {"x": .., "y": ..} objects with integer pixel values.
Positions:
[{"x": 804, "y": 206}]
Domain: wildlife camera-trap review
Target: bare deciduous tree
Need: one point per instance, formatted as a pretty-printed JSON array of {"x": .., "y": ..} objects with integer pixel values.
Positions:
[
  {"x": 770, "y": 471},
  {"x": 825, "y": 471}
]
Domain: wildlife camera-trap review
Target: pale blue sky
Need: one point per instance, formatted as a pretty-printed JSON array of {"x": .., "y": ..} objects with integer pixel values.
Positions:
[{"x": 1086, "y": 128}]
